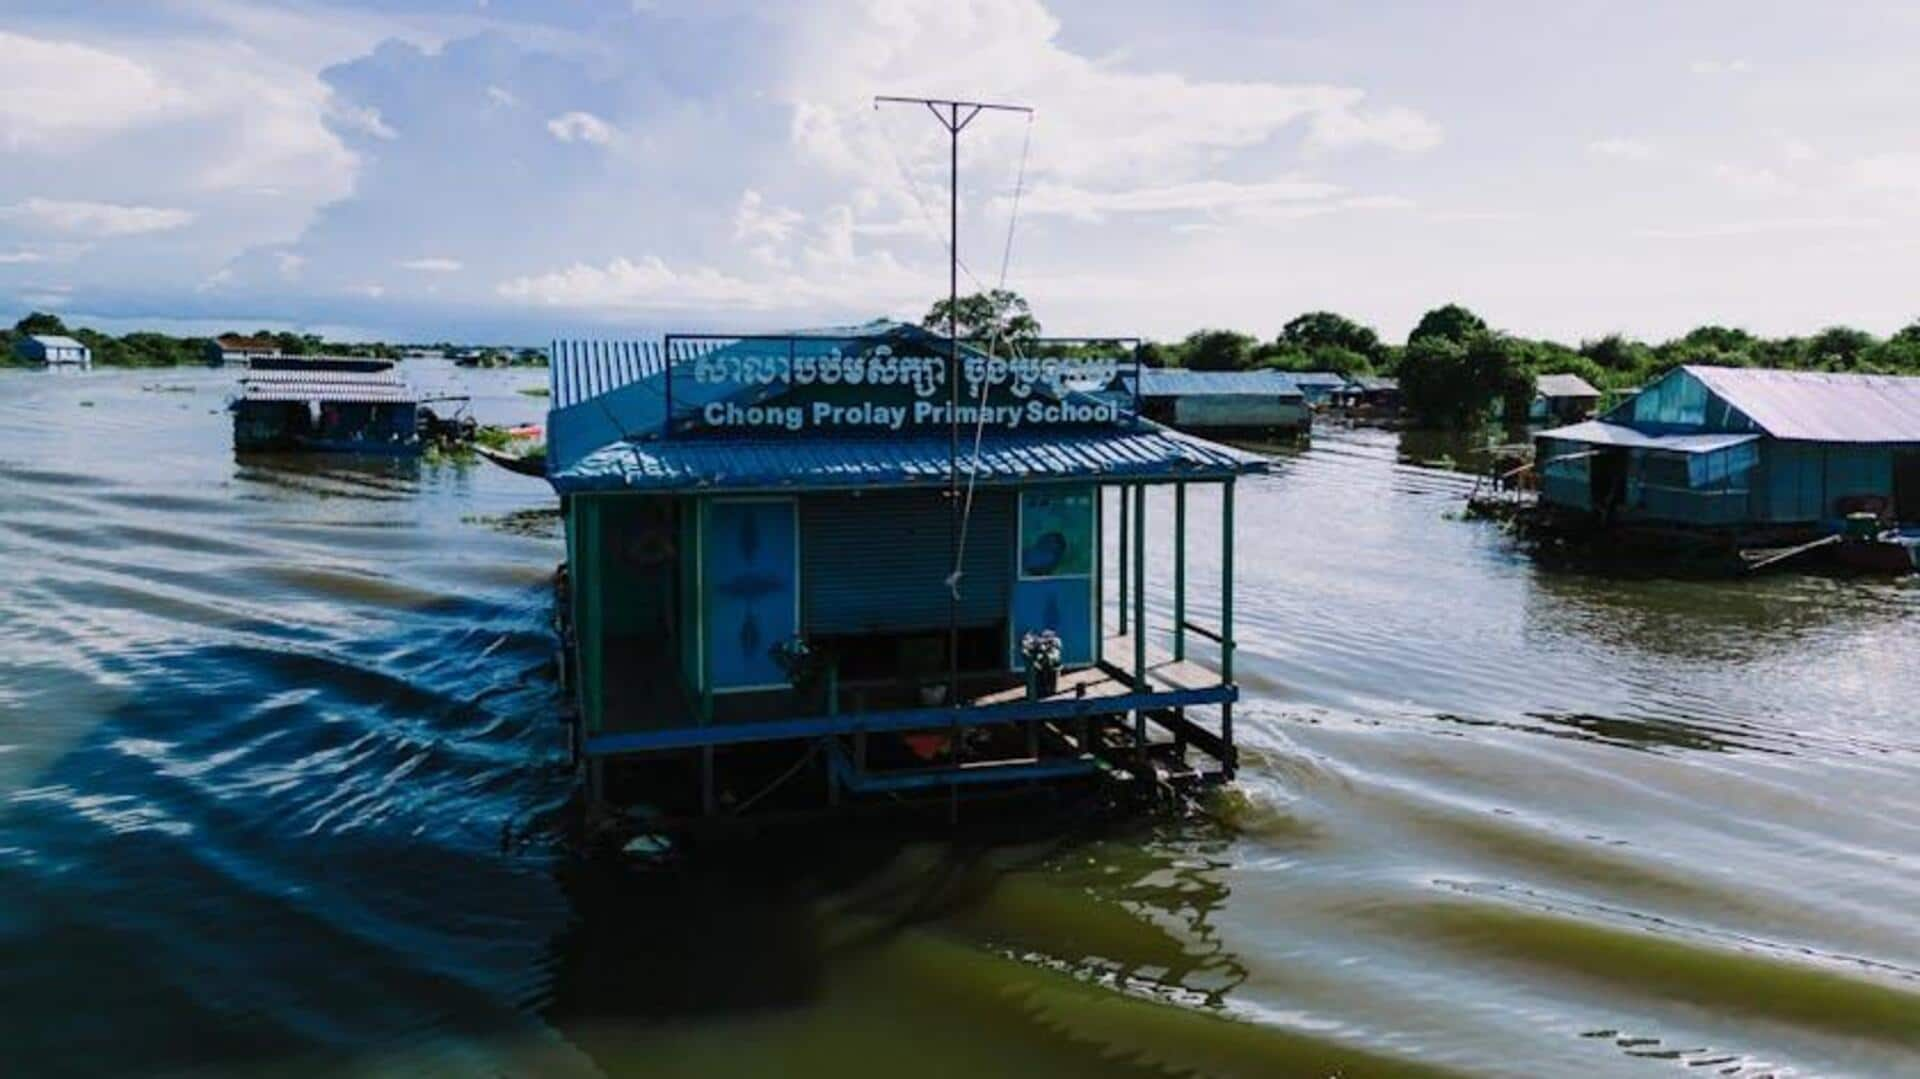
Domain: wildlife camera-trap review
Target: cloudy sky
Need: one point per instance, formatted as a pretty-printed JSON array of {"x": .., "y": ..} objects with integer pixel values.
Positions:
[{"x": 520, "y": 169}]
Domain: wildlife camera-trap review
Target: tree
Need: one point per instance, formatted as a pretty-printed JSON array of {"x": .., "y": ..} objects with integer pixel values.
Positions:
[
  {"x": 1317, "y": 330},
  {"x": 40, "y": 322},
  {"x": 1218, "y": 350},
  {"x": 1616, "y": 353},
  {"x": 997, "y": 315},
  {"x": 1839, "y": 348},
  {"x": 1155, "y": 354},
  {"x": 1453, "y": 383},
  {"x": 1721, "y": 339},
  {"x": 1453, "y": 322},
  {"x": 1341, "y": 361}
]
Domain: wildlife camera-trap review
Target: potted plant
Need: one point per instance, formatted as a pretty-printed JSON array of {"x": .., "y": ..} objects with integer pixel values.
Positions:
[
  {"x": 800, "y": 663},
  {"x": 1041, "y": 650}
]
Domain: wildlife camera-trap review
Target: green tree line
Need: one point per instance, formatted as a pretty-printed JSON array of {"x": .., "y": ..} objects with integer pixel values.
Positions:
[
  {"x": 1453, "y": 366},
  {"x": 147, "y": 349}
]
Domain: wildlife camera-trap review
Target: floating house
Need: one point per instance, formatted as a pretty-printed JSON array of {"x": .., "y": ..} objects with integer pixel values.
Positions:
[
  {"x": 326, "y": 404},
  {"x": 1370, "y": 393},
  {"x": 53, "y": 350},
  {"x": 1562, "y": 399},
  {"x": 1318, "y": 387},
  {"x": 794, "y": 582},
  {"x": 1743, "y": 449},
  {"x": 231, "y": 349},
  {"x": 1222, "y": 400}
]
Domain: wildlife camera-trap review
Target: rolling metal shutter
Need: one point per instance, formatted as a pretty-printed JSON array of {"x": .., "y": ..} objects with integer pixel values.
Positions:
[{"x": 879, "y": 562}]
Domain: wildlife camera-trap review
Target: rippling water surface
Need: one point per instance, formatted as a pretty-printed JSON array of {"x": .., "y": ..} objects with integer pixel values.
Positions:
[{"x": 280, "y": 784}]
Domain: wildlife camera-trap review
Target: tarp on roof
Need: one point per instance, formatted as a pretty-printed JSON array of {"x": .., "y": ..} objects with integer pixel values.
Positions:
[
  {"x": 1141, "y": 451},
  {"x": 1819, "y": 406},
  {"x": 1600, "y": 433},
  {"x": 1564, "y": 386},
  {"x": 1374, "y": 383},
  {"x": 1180, "y": 382}
]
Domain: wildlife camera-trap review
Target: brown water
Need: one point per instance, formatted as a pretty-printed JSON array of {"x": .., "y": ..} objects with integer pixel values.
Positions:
[{"x": 280, "y": 777}]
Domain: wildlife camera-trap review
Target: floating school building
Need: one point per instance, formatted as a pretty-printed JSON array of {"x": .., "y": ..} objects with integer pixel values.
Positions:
[
  {"x": 773, "y": 600},
  {"x": 53, "y": 350},
  {"x": 1738, "y": 448},
  {"x": 1222, "y": 400},
  {"x": 325, "y": 404}
]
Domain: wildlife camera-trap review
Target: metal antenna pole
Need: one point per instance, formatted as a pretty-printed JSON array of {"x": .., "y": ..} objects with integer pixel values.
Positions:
[{"x": 954, "y": 122}]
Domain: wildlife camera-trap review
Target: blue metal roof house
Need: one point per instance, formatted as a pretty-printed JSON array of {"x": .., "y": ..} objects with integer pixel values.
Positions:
[
  {"x": 1743, "y": 449},
  {"x": 1223, "y": 400},
  {"x": 53, "y": 350},
  {"x": 834, "y": 569},
  {"x": 1320, "y": 387}
]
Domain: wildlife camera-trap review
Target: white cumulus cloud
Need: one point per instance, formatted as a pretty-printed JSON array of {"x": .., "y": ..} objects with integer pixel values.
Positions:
[
  {"x": 432, "y": 265},
  {"x": 99, "y": 219},
  {"x": 58, "y": 93},
  {"x": 580, "y": 127}
]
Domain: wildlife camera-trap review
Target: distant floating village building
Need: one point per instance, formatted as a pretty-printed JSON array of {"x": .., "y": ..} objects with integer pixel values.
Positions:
[
  {"x": 326, "y": 404},
  {"x": 1223, "y": 400},
  {"x": 53, "y": 350},
  {"x": 774, "y": 601},
  {"x": 231, "y": 349},
  {"x": 1743, "y": 448},
  {"x": 1377, "y": 394},
  {"x": 1318, "y": 387},
  {"x": 1562, "y": 399}
]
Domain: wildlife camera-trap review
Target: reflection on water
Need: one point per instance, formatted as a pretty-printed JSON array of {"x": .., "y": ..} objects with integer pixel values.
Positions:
[{"x": 282, "y": 788}]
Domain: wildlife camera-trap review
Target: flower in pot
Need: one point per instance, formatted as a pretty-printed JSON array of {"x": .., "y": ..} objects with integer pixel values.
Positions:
[
  {"x": 1041, "y": 650},
  {"x": 799, "y": 662}
]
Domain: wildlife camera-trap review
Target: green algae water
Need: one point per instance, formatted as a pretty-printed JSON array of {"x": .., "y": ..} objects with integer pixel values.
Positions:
[{"x": 282, "y": 784}]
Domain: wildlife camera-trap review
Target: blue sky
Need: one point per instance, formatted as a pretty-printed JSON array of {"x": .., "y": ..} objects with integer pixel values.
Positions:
[{"x": 513, "y": 170}]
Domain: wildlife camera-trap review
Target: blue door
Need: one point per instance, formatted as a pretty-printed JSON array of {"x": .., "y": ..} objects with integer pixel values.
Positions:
[{"x": 750, "y": 568}]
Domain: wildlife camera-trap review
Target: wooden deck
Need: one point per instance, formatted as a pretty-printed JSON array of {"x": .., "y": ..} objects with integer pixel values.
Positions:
[
  {"x": 1104, "y": 689},
  {"x": 1113, "y": 676}
]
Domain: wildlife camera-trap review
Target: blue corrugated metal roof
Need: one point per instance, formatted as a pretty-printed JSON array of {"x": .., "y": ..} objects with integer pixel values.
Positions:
[
  {"x": 1317, "y": 379},
  {"x": 1819, "y": 406},
  {"x": 1180, "y": 382},
  {"x": 1600, "y": 433},
  {"x": 609, "y": 430},
  {"x": 1139, "y": 451}
]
